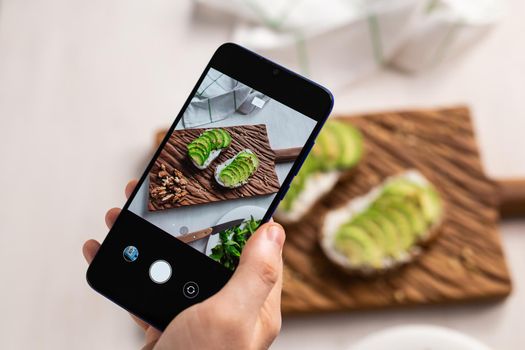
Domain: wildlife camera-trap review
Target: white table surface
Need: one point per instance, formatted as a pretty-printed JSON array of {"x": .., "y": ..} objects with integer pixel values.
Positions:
[{"x": 83, "y": 85}]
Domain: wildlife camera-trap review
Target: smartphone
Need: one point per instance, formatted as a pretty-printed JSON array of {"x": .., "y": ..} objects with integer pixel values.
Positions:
[{"x": 219, "y": 173}]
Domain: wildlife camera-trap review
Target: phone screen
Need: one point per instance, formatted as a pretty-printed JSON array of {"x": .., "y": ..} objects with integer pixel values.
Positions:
[{"x": 221, "y": 167}]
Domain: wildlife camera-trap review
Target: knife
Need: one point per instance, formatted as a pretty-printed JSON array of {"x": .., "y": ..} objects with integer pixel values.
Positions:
[{"x": 195, "y": 236}]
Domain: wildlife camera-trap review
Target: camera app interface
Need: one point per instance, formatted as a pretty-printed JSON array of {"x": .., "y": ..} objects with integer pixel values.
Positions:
[{"x": 223, "y": 165}]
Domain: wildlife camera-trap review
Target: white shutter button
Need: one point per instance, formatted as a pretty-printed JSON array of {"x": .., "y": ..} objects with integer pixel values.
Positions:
[{"x": 160, "y": 271}]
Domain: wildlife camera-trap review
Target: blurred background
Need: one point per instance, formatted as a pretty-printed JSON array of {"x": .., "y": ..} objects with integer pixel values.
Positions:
[{"x": 84, "y": 86}]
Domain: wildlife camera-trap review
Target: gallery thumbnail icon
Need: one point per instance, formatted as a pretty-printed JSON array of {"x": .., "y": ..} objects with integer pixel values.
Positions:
[{"x": 130, "y": 253}]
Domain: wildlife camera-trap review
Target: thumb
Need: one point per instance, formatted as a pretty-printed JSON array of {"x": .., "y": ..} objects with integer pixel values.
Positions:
[{"x": 259, "y": 269}]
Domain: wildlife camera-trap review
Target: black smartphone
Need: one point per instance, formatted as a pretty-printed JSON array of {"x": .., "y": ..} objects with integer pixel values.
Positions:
[{"x": 220, "y": 172}]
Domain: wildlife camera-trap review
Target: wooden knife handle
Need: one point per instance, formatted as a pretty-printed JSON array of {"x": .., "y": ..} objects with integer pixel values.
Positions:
[
  {"x": 511, "y": 197},
  {"x": 195, "y": 236},
  {"x": 287, "y": 154}
]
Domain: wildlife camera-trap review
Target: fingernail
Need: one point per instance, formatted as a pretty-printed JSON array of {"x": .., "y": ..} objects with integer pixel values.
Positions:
[{"x": 275, "y": 233}]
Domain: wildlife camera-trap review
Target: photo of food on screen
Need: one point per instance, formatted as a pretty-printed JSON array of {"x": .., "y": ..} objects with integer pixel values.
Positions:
[{"x": 221, "y": 167}]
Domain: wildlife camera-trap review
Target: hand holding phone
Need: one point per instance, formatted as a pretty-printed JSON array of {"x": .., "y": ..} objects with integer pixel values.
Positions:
[
  {"x": 219, "y": 173},
  {"x": 211, "y": 321}
]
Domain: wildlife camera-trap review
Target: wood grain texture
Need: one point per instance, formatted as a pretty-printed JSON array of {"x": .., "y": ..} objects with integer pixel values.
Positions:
[
  {"x": 202, "y": 187},
  {"x": 464, "y": 263}
]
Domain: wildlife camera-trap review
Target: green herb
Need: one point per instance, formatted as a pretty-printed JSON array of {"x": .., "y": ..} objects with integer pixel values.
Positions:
[{"x": 232, "y": 242}]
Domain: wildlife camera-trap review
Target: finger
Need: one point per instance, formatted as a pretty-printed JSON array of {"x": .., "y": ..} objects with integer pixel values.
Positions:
[
  {"x": 273, "y": 302},
  {"x": 270, "y": 313},
  {"x": 113, "y": 213},
  {"x": 130, "y": 187},
  {"x": 152, "y": 335},
  {"x": 142, "y": 324},
  {"x": 258, "y": 270},
  {"x": 90, "y": 249},
  {"x": 111, "y": 216},
  {"x": 270, "y": 320}
]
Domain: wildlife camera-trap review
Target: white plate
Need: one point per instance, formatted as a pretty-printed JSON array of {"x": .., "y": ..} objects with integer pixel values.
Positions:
[
  {"x": 418, "y": 337},
  {"x": 244, "y": 212}
]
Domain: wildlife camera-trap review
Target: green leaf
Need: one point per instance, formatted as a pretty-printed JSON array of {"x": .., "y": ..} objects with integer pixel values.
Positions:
[{"x": 232, "y": 242}]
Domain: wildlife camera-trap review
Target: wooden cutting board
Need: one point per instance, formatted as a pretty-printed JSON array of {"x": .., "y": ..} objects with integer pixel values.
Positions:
[
  {"x": 202, "y": 187},
  {"x": 466, "y": 261}
]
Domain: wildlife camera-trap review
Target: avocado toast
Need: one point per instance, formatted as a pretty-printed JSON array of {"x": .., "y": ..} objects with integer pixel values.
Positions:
[
  {"x": 205, "y": 148},
  {"x": 338, "y": 148},
  {"x": 236, "y": 171},
  {"x": 384, "y": 228}
]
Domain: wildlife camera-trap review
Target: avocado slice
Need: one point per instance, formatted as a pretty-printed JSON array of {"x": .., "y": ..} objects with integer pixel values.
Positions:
[
  {"x": 336, "y": 147},
  {"x": 351, "y": 145},
  {"x": 330, "y": 147},
  {"x": 232, "y": 173},
  {"x": 409, "y": 208},
  {"x": 210, "y": 140},
  {"x": 384, "y": 242},
  {"x": 254, "y": 160},
  {"x": 199, "y": 146},
  {"x": 339, "y": 145},
  {"x": 219, "y": 137},
  {"x": 205, "y": 142},
  {"x": 402, "y": 187},
  {"x": 357, "y": 246},
  {"x": 316, "y": 154},
  {"x": 414, "y": 216},
  {"x": 251, "y": 158},
  {"x": 227, "y": 178},
  {"x": 214, "y": 139},
  {"x": 226, "y": 138},
  {"x": 246, "y": 167},
  {"x": 209, "y": 134},
  {"x": 197, "y": 156},
  {"x": 426, "y": 197},
  {"x": 403, "y": 227},
  {"x": 431, "y": 205},
  {"x": 204, "y": 154},
  {"x": 393, "y": 243},
  {"x": 238, "y": 171}
]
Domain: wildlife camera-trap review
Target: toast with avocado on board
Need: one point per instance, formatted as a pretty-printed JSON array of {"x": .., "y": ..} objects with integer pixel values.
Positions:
[
  {"x": 385, "y": 228},
  {"x": 237, "y": 171}
]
